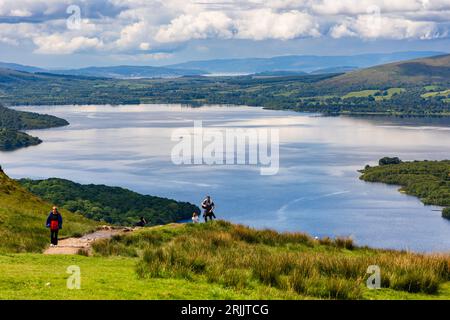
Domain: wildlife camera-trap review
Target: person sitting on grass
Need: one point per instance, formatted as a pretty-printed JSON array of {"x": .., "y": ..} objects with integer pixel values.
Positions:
[
  {"x": 142, "y": 222},
  {"x": 54, "y": 222},
  {"x": 195, "y": 218}
]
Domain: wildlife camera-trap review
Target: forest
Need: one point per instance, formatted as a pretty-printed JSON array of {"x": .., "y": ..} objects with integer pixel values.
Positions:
[
  {"x": 113, "y": 205},
  {"x": 12, "y": 121}
]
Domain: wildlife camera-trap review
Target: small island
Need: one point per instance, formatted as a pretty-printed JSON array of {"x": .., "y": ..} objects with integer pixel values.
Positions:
[
  {"x": 13, "y": 121},
  {"x": 427, "y": 180}
]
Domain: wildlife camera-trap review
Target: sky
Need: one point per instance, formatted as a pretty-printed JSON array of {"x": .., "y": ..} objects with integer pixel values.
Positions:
[{"x": 77, "y": 33}]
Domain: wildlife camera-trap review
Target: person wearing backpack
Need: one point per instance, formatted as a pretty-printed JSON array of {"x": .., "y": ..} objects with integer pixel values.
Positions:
[
  {"x": 208, "y": 206},
  {"x": 54, "y": 222}
]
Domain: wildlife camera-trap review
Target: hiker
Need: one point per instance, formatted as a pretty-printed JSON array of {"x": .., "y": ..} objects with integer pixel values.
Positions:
[
  {"x": 54, "y": 222},
  {"x": 208, "y": 206},
  {"x": 195, "y": 218},
  {"x": 142, "y": 222}
]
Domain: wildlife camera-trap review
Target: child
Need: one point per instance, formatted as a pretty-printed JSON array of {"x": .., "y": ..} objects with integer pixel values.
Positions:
[{"x": 195, "y": 218}]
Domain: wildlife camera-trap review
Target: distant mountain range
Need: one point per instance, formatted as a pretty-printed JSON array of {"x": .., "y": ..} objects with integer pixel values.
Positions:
[
  {"x": 20, "y": 67},
  {"x": 303, "y": 63},
  {"x": 276, "y": 66},
  {"x": 117, "y": 72},
  {"x": 130, "y": 72}
]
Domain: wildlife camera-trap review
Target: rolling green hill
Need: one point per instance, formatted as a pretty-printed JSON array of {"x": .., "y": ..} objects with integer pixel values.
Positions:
[
  {"x": 23, "y": 217},
  {"x": 111, "y": 204},
  {"x": 419, "y": 72}
]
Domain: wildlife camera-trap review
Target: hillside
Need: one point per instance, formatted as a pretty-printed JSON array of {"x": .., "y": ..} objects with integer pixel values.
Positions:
[
  {"x": 111, "y": 204},
  {"x": 428, "y": 180},
  {"x": 419, "y": 72},
  {"x": 215, "y": 260},
  {"x": 219, "y": 260},
  {"x": 20, "y": 67},
  {"x": 23, "y": 216}
]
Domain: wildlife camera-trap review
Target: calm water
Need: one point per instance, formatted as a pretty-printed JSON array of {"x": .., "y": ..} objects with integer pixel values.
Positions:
[{"x": 317, "y": 189}]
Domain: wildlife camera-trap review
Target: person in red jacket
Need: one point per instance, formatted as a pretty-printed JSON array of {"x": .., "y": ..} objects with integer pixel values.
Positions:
[{"x": 54, "y": 222}]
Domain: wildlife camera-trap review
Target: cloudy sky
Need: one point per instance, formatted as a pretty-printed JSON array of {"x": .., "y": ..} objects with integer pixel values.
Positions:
[{"x": 74, "y": 33}]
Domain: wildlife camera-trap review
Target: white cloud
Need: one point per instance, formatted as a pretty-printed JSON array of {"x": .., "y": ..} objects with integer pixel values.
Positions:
[
  {"x": 206, "y": 24},
  {"x": 127, "y": 26},
  {"x": 59, "y": 44},
  {"x": 266, "y": 24},
  {"x": 374, "y": 27}
]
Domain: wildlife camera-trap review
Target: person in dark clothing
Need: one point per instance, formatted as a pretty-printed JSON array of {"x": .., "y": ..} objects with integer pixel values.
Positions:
[
  {"x": 142, "y": 222},
  {"x": 208, "y": 206},
  {"x": 54, "y": 222}
]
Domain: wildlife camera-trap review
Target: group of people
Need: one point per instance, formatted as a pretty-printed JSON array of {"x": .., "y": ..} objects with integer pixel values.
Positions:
[
  {"x": 208, "y": 211},
  {"x": 55, "y": 221}
]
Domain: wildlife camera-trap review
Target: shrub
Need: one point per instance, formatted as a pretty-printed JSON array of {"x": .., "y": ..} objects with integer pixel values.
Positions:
[
  {"x": 345, "y": 243},
  {"x": 446, "y": 213}
]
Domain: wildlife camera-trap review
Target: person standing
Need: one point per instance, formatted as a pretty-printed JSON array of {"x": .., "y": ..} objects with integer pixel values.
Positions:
[
  {"x": 54, "y": 222},
  {"x": 208, "y": 206}
]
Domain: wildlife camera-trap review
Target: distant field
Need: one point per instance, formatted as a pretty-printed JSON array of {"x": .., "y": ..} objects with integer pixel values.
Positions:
[
  {"x": 389, "y": 93},
  {"x": 358, "y": 94},
  {"x": 444, "y": 93},
  {"x": 377, "y": 94}
]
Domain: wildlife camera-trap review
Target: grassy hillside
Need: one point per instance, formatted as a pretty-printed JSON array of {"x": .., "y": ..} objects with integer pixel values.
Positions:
[
  {"x": 220, "y": 260},
  {"x": 111, "y": 204},
  {"x": 428, "y": 180},
  {"x": 23, "y": 216},
  {"x": 419, "y": 72}
]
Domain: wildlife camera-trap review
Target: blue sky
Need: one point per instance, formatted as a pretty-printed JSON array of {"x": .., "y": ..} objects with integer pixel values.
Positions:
[{"x": 75, "y": 33}]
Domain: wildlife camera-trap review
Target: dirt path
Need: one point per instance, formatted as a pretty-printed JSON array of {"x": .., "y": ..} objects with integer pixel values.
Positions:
[{"x": 73, "y": 245}]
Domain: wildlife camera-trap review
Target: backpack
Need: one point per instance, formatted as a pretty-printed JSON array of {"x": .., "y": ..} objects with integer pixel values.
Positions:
[{"x": 54, "y": 225}]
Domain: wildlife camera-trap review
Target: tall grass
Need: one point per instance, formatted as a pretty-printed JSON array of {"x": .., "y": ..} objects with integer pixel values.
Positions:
[{"x": 240, "y": 257}]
